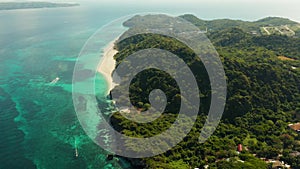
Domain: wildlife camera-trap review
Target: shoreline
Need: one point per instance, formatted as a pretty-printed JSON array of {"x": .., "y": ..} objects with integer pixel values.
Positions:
[{"x": 108, "y": 64}]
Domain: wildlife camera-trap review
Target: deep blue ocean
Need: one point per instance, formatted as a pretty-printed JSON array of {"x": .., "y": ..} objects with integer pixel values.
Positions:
[{"x": 38, "y": 124}]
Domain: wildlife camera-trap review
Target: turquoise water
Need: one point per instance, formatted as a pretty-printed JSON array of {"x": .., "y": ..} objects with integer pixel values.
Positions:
[{"x": 38, "y": 124}]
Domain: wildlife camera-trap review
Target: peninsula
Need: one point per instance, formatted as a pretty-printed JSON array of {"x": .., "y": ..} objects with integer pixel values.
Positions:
[{"x": 33, "y": 5}]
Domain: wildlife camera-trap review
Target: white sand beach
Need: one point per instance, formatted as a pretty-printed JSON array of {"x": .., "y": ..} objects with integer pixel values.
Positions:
[{"x": 107, "y": 65}]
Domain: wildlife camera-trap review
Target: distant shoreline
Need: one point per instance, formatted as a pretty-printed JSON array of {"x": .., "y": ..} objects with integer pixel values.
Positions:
[
  {"x": 4, "y": 6},
  {"x": 108, "y": 64}
]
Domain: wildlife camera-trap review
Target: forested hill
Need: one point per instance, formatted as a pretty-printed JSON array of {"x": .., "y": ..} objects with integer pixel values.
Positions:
[
  {"x": 269, "y": 25},
  {"x": 238, "y": 38},
  {"x": 263, "y": 98}
]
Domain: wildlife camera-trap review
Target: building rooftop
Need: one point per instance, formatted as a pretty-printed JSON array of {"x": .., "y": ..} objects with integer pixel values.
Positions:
[{"x": 295, "y": 127}]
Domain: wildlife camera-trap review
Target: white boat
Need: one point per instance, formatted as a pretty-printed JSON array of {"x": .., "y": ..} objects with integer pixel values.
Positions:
[
  {"x": 54, "y": 80},
  {"x": 76, "y": 151}
]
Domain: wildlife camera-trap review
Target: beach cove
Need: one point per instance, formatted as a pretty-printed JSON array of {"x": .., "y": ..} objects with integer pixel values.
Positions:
[{"x": 108, "y": 64}]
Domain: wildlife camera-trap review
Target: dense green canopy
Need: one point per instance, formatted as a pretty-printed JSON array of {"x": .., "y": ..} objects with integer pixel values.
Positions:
[{"x": 263, "y": 98}]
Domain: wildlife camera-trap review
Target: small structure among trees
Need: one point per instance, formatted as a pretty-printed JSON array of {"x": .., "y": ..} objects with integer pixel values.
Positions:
[
  {"x": 240, "y": 148},
  {"x": 295, "y": 127}
]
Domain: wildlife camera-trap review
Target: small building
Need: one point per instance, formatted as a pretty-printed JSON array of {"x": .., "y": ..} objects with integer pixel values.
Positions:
[
  {"x": 295, "y": 154},
  {"x": 276, "y": 164},
  {"x": 295, "y": 127},
  {"x": 240, "y": 148},
  {"x": 254, "y": 32}
]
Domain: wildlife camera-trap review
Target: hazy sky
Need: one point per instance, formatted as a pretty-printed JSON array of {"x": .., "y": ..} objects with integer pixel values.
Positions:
[
  {"x": 254, "y": 9},
  {"x": 208, "y": 9}
]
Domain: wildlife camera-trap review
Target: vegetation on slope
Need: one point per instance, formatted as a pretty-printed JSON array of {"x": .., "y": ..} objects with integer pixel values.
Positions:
[
  {"x": 263, "y": 98},
  {"x": 249, "y": 27}
]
